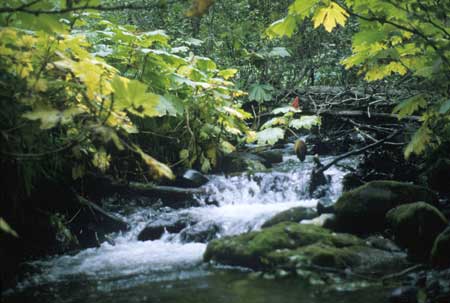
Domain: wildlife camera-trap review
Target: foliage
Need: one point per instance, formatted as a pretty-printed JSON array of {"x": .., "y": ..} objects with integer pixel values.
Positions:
[
  {"x": 74, "y": 85},
  {"x": 394, "y": 38},
  {"x": 276, "y": 128}
]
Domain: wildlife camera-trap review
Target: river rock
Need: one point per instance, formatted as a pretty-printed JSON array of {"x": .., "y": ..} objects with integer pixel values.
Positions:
[
  {"x": 415, "y": 226},
  {"x": 325, "y": 206},
  {"x": 295, "y": 214},
  {"x": 156, "y": 229},
  {"x": 440, "y": 254},
  {"x": 324, "y": 220},
  {"x": 291, "y": 246},
  {"x": 363, "y": 209},
  {"x": 406, "y": 294},
  {"x": 272, "y": 156},
  {"x": 240, "y": 161},
  {"x": 202, "y": 232},
  {"x": 191, "y": 178},
  {"x": 438, "y": 176}
]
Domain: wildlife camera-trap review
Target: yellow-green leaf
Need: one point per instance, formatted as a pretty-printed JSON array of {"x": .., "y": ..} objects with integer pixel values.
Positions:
[{"x": 330, "y": 17}]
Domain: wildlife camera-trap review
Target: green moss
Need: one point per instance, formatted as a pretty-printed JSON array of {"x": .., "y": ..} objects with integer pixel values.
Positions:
[
  {"x": 363, "y": 209},
  {"x": 251, "y": 249},
  {"x": 440, "y": 254},
  {"x": 415, "y": 227}
]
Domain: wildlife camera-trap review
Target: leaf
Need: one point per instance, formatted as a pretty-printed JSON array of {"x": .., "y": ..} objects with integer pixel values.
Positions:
[
  {"x": 419, "y": 141},
  {"x": 50, "y": 117},
  {"x": 283, "y": 27},
  {"x": 260, "y": 92},
  {"x": 303, "y": 8},
  {"x": 226, "y": 147},
  {"x": 285, "y": 110},
  {"x": 274, "y": 122},
  {"x": 4, "y": 226},
  {"x": 227, "y": 73},
  {"x": 169, "y": 105},
  {"x": 330, "y": 17},
  {"x": 270, "y": 136},
  {"x": 133, "y": 93},
  {"x": 157, "y": 168},
  {"x": 280, "y": 52},
  {"x": 445, "y": 107},
  {"x": 410, "y": 106},
  {"x": 306, "y": 122}
]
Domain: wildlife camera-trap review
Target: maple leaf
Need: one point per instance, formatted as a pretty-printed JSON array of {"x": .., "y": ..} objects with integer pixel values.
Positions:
[{"x": 330, "y": 17}]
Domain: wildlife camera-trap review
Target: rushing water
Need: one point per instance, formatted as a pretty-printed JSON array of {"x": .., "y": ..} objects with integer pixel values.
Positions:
[{"x": 171, "y": 270}]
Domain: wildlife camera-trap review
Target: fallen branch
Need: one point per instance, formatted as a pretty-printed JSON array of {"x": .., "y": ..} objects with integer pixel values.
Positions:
[
  {"x": 356, "y": 152},
  {"x": 360, "y": 113}
]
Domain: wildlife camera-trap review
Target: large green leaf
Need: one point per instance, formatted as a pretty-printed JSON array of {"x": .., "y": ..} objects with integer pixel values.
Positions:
[
  {"x": 270, "y": 136},
  {"x": 260, "y": 92},
  {"x": 306, "y": 122}
]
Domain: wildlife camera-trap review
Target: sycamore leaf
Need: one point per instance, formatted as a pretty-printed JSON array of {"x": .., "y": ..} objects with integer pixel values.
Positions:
[
  {"x": 302, "y": 8},
  {"x": 4, "y": 226},
  {"x": 410, "y": 106},
  {"x": 157, "y": 168},
  {"x": 419, "y": 141},
  {"x": 330, "y": 17},
  {"x": 306, "y": 122},
  {"x": 270, "y": 136}
]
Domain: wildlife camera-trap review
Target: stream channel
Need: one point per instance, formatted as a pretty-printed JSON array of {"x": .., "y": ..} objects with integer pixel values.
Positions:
[{"x": 171, "y": 269}]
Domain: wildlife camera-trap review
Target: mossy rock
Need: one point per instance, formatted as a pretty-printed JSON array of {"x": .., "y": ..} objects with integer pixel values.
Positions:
[
  {"x": 251, "y": 249},
  {"x": 440, "y": 254},
  {"x": 272, "y": 156},
  {"x": 240, "y": 162},
  {"x": 415, "y": 227},
  {"x": 295, "y": 214},
  {"x": 438, "y": 175},
  {"x": 363, "y": 209}
]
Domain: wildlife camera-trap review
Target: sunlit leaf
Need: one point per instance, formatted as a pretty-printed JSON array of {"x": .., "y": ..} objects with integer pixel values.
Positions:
[{"x": 270, "y": 136}]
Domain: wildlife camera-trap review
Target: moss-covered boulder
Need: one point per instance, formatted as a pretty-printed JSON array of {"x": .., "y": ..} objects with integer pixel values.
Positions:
[
  {"x": 415, "y": 226},
  {"x": 290, "y": 246},
  {"x": 295, "y": 214},
  {"x": 363, "y": 209},
  {"x": 440, "y": 254}
]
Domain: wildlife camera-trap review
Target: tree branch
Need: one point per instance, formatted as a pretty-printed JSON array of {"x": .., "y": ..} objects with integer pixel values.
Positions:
[{"x": 26, "y": 8}]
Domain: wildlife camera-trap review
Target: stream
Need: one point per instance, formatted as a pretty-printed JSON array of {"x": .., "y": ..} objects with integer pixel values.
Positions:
[{"x": 171, "y": 269}]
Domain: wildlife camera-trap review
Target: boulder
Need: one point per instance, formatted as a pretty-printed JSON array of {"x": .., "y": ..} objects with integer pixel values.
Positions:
[
  {"x": 272, "y": 156},
  {"x": 415, "y": 226},
  {"x": 295, "y": 214},
  {"x": 440, "y": 254},
  {"x": 240, "y": 161},
  {"x": 351, "y": 181},
  {"x": 292, "y": 246},
  {"x": 438, "y": 175},
  {"x": 201, "y": 232},
  {"x": 156, "y": 229},
  {"x": 363, "y": 209}
]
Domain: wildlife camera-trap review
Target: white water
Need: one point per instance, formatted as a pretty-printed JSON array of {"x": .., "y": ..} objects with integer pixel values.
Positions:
[{"x": 244, "y": 204}]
